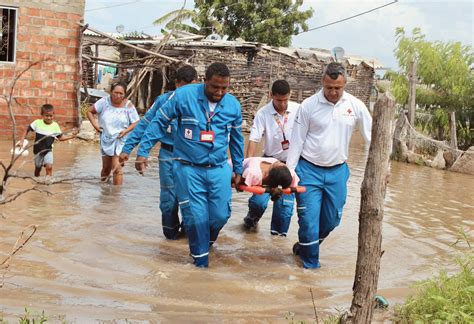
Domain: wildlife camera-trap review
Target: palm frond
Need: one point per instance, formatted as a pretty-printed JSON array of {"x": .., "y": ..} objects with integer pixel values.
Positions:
[{"x": 176, "y": 16}]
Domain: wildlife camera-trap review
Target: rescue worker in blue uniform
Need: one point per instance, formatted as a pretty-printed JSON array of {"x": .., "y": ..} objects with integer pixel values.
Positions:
[
  {"x": 168, "y": 201},
  {"x": 209, "y": 123}
]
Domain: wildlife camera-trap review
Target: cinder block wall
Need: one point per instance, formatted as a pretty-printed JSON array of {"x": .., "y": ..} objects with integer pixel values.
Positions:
[{"x": 48, "y": 32}]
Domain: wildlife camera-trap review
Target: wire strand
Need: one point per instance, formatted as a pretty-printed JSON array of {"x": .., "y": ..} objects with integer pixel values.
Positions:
[
  {"x": 341, "y": 20},
  {"x": 112, "y": 6}
]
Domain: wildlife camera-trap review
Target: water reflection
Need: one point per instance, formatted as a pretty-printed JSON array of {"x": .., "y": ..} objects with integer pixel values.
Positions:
[{"x": 100, "y": 254}]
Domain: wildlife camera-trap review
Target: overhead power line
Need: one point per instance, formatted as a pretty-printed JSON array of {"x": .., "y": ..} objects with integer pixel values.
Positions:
[
  {"x": 112, "y": 6},
  {"x": 341, "y": 20}
]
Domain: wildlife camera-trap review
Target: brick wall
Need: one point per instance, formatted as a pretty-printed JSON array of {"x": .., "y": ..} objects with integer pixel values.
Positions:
[{"x": 47, "y": 31}]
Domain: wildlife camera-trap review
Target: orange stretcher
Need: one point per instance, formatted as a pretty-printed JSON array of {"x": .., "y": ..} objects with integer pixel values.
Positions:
[{"x": 259, "y": 190}]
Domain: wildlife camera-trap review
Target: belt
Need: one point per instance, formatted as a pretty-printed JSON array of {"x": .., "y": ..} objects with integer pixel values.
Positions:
[
  {"x": 201, "y": 165},
  {"x": 321, "y": 166},
  {"x": 167, "y": 147}
]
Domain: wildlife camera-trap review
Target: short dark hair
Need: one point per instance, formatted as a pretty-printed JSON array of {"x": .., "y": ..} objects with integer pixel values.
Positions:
[
  {"x": 186, "y": 73},
  {"x": 279, "y": 176},
  {"x": 217, "y": 68},
  {"x": 118, "y": 84},
  {"x": 334, "y": 70},
  {"x": 280, "y": 87},
  {"x": 45, "y": 108}
]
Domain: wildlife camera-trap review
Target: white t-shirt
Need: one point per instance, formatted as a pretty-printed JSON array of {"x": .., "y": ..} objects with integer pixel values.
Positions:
[
  {"x": 212, "y": 106},
  {"x": 322, "y": 130},
  {"x": 265, "y": 125}
]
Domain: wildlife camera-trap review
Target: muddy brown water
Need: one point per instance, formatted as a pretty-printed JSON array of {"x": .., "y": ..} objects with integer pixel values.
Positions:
[{"x": 99, "y": 253}]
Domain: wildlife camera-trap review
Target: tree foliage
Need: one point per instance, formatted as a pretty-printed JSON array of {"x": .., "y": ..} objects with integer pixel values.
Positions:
[
  {"x": 268, "y": 21},
  {"x": 445, "y": 77}
]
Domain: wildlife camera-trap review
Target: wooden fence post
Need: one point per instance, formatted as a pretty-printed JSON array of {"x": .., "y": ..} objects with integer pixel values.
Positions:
[{"x": 371, "y": 212}]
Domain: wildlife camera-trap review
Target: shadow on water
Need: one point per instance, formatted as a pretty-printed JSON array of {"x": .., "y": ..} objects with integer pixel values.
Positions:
[{"x": 99, "y": 253}]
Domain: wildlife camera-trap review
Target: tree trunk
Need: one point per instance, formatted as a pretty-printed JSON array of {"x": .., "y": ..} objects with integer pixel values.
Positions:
[
  {"x": 371, "y": 213},
  {"x": 149, "y": 97},
  {"x": 452, "y": 130}
]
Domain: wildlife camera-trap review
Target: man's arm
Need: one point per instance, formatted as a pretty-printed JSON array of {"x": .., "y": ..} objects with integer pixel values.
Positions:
[
  {"x": 365, "y": 123},
  {"x": 251, "y": 148},
  {"x": 256, "y": 133},
  {"x": 236, "y": 146},
  {"x": 135, "y": 136},
  {"x": 155, "y": 131},
  {"x": 298, "y": 137}
]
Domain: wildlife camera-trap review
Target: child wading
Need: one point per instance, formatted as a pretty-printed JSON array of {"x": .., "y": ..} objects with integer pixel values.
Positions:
[{"x": 47, "y": 131}]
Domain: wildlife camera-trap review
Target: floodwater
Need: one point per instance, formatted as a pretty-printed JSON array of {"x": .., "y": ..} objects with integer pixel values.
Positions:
[{"x": 99, "y": 253}]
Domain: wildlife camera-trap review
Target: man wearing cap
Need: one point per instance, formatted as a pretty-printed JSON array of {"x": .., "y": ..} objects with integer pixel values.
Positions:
[
  {"x": 318, "y": 153},
  {"x": 273, "y": 122},
  {"x": 209, "y": 122}
]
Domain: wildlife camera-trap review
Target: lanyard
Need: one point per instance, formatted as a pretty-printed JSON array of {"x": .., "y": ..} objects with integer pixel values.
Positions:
[
  {"x": 280, "y": 125},
  {"x": 209, "y": 116}
]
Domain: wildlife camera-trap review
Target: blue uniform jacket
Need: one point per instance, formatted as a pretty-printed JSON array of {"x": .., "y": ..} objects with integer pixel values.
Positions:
[
  {"x": 135, "y": 136},
  {"x": 190, "y": 107}
]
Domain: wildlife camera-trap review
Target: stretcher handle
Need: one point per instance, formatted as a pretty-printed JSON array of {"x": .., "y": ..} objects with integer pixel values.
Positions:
[{"x": 259, "y": 190}]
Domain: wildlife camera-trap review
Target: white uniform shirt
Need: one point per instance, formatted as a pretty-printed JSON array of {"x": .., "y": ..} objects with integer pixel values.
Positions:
[
  {"x": 265, "y": 125},
  {"x": 322, "y": 130}
]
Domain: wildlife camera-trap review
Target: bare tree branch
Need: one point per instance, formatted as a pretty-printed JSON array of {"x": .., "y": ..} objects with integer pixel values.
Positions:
[
  {"x": 9, "y": 199},
  {"x": 5, "y": 264}
]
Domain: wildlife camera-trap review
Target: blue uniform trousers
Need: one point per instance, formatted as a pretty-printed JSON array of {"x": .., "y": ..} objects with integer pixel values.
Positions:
[
  {"x": 204, "y": 196},
  {"x": 320, "y": 207},
  {"x": 168, "y": 200},
  {"x": 281, "y": 216}
]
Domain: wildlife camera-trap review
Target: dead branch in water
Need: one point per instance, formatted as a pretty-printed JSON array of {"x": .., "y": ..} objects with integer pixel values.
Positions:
[
  {"x": 5, "y": 264},
  {"x": 314, "y": 306}
]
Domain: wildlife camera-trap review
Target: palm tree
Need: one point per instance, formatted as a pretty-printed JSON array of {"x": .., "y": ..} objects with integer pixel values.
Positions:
[{"x": 203, "y": 20}]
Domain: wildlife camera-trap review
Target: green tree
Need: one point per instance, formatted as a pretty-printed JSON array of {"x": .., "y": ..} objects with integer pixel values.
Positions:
[
  {"x": 445, "y": 79},
  {"x": 268, "y": 21}
]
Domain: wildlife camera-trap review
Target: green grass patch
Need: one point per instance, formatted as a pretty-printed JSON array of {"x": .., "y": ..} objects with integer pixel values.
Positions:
[{"x": 443, "y": 299}]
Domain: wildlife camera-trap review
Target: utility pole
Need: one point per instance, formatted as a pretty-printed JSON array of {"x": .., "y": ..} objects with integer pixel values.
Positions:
[
  {"x": 452, "y": 130},
  {"x": 412, "y": 93},
  {"x": 411, "y": 101}
]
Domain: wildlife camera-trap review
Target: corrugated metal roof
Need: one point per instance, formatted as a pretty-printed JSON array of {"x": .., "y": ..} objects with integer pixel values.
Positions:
[{"x": 185, "y": 39}]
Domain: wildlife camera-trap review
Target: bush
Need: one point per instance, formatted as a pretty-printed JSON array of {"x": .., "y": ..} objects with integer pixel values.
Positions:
[{"x": 443, "y": 299}]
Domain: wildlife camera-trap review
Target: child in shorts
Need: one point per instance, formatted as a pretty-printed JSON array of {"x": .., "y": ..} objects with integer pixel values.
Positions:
[{"x": 47, "y": 131}]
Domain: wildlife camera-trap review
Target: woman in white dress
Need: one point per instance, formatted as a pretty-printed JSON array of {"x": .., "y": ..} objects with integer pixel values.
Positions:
[{"x": 117, "y": 117}]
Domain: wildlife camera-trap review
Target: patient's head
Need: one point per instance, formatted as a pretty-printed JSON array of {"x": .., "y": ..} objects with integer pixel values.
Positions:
[{"x": 279, "y": 176}]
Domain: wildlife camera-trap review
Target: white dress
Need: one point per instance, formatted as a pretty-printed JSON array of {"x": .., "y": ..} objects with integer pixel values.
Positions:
[{"x": 112, "y": 121}]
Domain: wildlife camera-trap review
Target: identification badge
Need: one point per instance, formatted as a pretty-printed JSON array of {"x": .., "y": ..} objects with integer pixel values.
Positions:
[
  {"x": 285, "y": 145},
  {"x": 207, "y": 136}
]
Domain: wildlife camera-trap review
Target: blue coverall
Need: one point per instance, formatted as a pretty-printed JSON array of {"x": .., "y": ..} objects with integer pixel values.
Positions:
[
  {"x": 320, "y": 207},
  {"x": 168, "y": 201},
  {"x": 281, "y": 215},
  {"x": 201, "y": 171}
]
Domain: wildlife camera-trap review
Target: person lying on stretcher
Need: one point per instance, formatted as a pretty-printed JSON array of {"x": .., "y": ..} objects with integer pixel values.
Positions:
[{"x": 268, "y": 172}]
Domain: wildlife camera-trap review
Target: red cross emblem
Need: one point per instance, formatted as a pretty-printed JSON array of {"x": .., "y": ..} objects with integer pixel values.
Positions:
[{"x": 349, "y": 111}]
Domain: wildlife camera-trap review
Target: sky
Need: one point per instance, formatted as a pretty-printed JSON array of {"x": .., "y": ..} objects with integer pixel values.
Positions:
[{"x": 371, "y": 35}]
